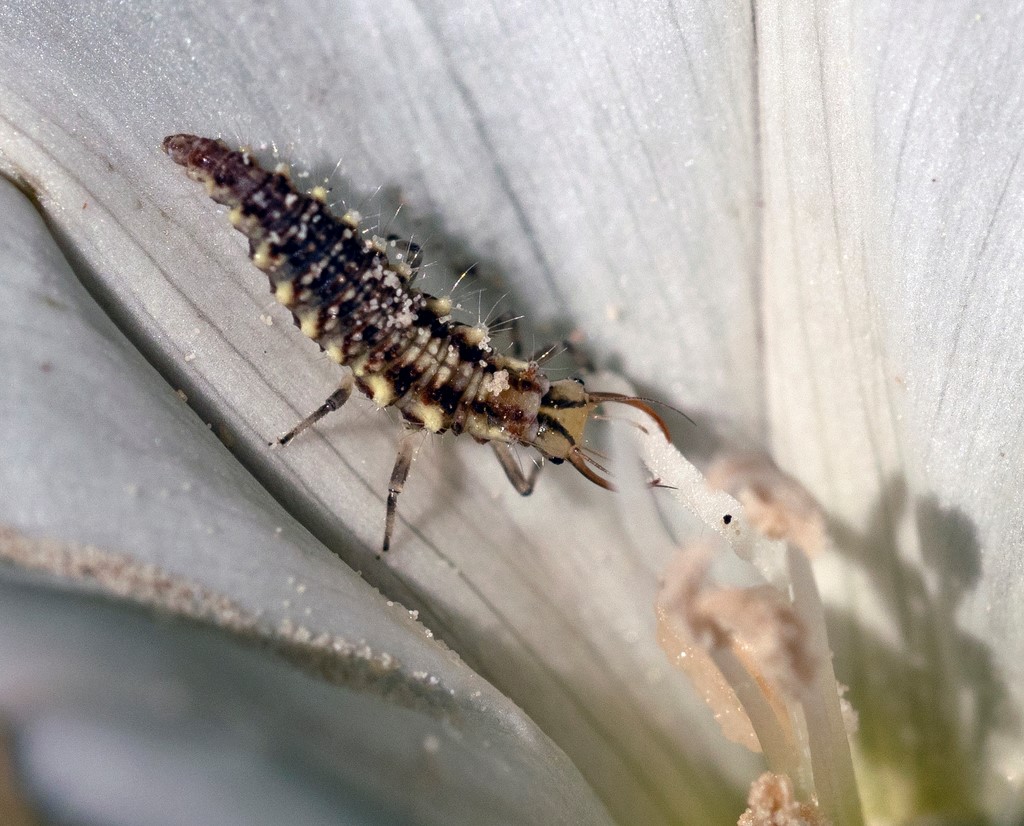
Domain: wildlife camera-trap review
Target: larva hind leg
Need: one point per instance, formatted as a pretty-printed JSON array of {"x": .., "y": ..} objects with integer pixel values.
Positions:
[
  {"x": 522, "y": 482},
  {"x": 334, "y": 401},
  {"x": 399, "y": 473}
]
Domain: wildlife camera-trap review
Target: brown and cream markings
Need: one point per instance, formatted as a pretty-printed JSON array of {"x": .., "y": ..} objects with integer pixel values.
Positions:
[{"x": 400, "y": 345}]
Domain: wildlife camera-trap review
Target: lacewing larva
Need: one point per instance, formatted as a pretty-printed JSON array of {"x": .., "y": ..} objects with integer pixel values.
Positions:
[{"x": 400, "y": 345}]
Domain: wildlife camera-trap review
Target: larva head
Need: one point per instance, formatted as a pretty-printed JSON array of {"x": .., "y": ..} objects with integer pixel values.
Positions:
[{"x": 564, "y": 412}]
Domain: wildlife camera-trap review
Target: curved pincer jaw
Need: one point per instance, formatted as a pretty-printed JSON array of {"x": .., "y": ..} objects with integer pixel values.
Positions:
[
  {"x": 564, "y": 412},
  {"x": 632, "y": 401},
  {"x": 579, "y": 460}
]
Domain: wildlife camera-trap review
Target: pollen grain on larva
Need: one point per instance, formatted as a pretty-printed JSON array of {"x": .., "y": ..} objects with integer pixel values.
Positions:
[{"x": 399, "y": 345}]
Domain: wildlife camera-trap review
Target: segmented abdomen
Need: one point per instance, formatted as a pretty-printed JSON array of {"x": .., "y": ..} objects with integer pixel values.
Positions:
[{"x": 359, "y": 307}]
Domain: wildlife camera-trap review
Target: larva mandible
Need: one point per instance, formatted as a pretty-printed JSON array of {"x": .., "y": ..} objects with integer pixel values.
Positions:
[{"x": 400, "y": 345}]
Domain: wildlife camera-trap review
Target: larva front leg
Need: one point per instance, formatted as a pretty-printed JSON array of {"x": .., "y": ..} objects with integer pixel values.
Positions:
[
  {"x": 399, "y": 473},
  {"x": 522, "y": 482},
  {"x": 334, "y": 402}
]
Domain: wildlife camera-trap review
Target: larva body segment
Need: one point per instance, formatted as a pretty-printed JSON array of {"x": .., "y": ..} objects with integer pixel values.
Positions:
[{"x": 400, "y": 344}]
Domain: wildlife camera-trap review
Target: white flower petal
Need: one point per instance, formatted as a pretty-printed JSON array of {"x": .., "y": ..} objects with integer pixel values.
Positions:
[
  {"x": 97, "y": 449},
  {"x": 487, "y": 143},
  {"x": 953, "y": 158},
  {"x": 892, "y": 298},
  {"x": 608, "y": 170},
  {"x": 114, "y": 716}
]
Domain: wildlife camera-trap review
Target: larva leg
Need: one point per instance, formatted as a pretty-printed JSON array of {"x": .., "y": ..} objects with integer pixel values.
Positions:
[
  {"x": 334, "y": 401},
  {"x": 399, "y": 473},
  {"x": 522, "y": 482}
]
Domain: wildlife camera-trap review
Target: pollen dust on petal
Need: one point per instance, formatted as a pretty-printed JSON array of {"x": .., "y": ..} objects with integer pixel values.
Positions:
[{"x": 771, "y": 802}]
